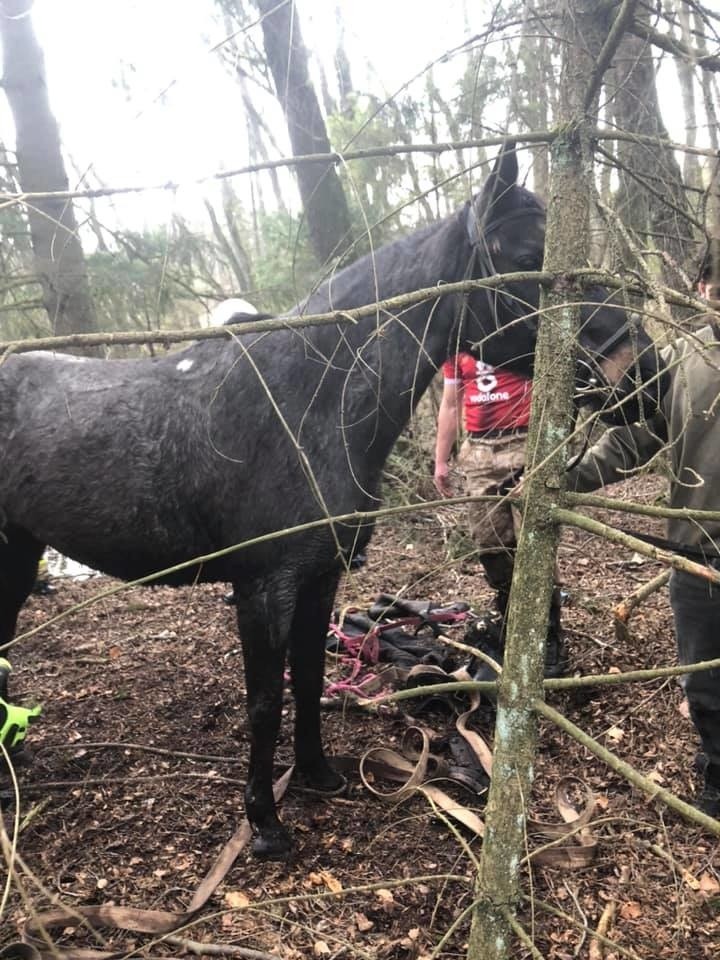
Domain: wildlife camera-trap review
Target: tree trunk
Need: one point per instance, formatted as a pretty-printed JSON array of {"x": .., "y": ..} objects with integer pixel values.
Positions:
[
  {"x": 571, "y": 186},
  {"x": 686, "y": 78},
  {"x": 321, "y": 192},
  {"x": 342, "y": 66},
  {"x": 59, "y": 258},
  {"x": 652, "y": 201}
]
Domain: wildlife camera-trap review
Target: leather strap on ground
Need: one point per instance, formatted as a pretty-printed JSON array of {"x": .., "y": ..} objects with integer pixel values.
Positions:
[{"x": 157, "y": 922}]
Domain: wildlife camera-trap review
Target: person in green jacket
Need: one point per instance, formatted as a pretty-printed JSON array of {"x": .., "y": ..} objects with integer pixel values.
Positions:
[{"x": 688, "y": 428}]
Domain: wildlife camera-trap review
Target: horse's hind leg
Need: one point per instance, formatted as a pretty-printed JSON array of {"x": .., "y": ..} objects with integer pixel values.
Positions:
[
  {"x": 20, "y": 554},
  {"x": 264, "y": 617},
  {"x": 307, "y": 662}
]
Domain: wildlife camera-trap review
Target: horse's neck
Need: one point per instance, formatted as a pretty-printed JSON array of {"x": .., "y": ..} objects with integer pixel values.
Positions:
[{"x": 397, "y": 357}]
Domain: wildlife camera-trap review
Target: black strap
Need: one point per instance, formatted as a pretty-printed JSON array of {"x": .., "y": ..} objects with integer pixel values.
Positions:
[{"x": 692, "y": 553}]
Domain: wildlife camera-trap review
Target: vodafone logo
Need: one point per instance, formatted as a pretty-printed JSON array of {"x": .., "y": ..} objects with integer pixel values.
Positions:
[
  {"x": 485, "y": 377},
  {"x": 486, "y": 383}
]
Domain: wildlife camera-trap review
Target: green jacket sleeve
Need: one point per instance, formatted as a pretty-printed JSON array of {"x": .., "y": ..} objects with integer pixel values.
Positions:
[{"x": 618, "y": 451}]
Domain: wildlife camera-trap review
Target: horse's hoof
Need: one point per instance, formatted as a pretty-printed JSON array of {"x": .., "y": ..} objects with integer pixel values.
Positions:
[
  {"x": 272, "y": 845},
  {"x": 329, "y": 783}
]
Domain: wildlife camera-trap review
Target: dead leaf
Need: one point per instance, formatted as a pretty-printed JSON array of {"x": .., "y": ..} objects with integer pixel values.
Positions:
[
  {"x": 320, "y": 948},
  {"x": 630, "y": 910},
  {"x": 331, "y": 882},
  {"x": 709, "y": 885},
  {"x": 236, "y": 899},
  {"x": 362, "y": 923},
  {"x": 387, "y": 901},
  {"x": 615, "y": 734}
]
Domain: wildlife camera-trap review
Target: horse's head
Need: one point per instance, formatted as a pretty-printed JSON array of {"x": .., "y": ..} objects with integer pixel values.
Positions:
[{"x": 619, "y": 372}]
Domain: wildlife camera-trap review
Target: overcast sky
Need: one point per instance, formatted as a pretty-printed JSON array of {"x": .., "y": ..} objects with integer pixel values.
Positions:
[
  {"x": 95, "y": 47},
  {"x": 98, "y": 49}
]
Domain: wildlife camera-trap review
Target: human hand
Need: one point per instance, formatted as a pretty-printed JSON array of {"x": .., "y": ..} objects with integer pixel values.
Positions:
[{"x": 442, "y": 480}]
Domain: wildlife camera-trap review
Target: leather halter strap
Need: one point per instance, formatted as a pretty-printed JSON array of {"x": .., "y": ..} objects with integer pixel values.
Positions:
[{"x": 477, "y": 232}]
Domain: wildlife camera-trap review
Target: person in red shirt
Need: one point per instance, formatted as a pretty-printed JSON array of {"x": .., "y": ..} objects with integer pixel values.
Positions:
[{"x": 496, "y": 408}]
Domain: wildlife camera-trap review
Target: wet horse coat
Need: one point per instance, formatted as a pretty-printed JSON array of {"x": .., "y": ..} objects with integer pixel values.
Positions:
[{"x": 132, "y": 466}]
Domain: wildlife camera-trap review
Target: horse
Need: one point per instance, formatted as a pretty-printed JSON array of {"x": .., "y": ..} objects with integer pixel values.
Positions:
[{"x": 138, "y": 465}]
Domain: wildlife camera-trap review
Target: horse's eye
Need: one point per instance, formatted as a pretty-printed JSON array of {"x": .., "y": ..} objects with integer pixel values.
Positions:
[{"x": 533, "y": 262}]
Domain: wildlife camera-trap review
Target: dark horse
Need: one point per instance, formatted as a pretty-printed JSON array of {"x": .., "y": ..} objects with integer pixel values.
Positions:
[{"x": 132, "y": 466}]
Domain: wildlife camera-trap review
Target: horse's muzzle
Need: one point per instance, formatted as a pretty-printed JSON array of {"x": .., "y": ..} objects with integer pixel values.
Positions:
[{"x": 635, "y": 396}]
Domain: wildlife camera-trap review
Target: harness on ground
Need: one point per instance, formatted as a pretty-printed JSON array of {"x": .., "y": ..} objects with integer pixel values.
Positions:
[{"x": 394, "y": 643}]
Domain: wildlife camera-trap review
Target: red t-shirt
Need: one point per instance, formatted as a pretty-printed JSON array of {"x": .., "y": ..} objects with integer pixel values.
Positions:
[{"x": 493, "y": 399}]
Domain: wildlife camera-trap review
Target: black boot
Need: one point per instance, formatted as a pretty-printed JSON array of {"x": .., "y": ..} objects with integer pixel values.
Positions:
[
  {"x": 43, "y": 588},
  {"x": 709, "y": 799},
  {"x": 707, "y": 724},
  {"x": 499, "y": 573},
  {"x": 556, "y": 661}
]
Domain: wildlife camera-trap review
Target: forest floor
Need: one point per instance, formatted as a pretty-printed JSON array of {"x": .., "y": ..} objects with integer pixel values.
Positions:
[{"x": 111, "y": 822}]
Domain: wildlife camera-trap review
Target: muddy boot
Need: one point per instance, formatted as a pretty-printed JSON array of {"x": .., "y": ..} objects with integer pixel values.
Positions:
[
  {"x": 499, "y": 573},
  {"x": 556, "y": 649}
]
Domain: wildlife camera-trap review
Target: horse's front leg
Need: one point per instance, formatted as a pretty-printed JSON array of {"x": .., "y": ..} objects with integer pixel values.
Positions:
[
  {"x": 20, "y": 554},
  {"x": 264, "y": 618},
  {"x": 307, "y": 664}
]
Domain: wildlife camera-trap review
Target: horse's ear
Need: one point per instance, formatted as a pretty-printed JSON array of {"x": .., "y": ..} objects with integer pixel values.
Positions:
[{"x": 498, "y": 185}]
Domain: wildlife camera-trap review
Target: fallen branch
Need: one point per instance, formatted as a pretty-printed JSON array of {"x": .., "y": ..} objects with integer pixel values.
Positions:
[
  {"x": 607, "y": 918},
  {"x": 579, "y": 520},
  {"x": 218, "y": 949},
  {"x": 623, "y": 610},
  {"x": 568, "y": 918},
  {"x": 629, "y": 772},
  {"x": 104, "y": 781},
  {"x": 146, "y": 748}
]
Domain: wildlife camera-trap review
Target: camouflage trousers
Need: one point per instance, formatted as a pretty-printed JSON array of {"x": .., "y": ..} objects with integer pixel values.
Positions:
[{"x": 485, "y": 463}]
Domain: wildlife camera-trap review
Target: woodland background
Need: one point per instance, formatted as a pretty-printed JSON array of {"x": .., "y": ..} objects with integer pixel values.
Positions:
[{"x": 106, "y": 231}]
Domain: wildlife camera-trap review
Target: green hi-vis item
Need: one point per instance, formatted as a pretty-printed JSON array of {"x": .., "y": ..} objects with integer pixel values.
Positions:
[{"x": 14, "y": 720}]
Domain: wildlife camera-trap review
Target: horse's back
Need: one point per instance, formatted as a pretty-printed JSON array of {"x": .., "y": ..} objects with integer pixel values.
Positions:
[{"x": 131, "y": 466}]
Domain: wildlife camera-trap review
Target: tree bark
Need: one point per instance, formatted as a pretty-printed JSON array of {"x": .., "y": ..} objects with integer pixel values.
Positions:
[
  {"x": 686, "y": 79},
  {"x": 59, "y": 258},
  {"x": 321, "y": 192},
  {"x": 521, "y": 683},
  {"x": 652, "y": 200}
]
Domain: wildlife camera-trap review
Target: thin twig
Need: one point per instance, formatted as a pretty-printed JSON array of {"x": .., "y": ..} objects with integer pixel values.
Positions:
[
  {"x": 629, "y": 772},
  {"x": 606, "y": 919},
  {"x": 541, "y": 137},
  {"x": 579, "y": 520},
  {"x": 102, "y": 781},
  {"x": 618, "y": 948},
  {"x": 146, "y": 748},
  {"x": 622, "y": 611},
  {"x": 521, "y": 933}
]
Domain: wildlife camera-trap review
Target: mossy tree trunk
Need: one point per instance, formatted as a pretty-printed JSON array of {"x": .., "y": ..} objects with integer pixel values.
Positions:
[
  {"x": 567, "y": 243},
  {"x": 59, "y": 258},
  {"x": 321, "y": 191}
]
